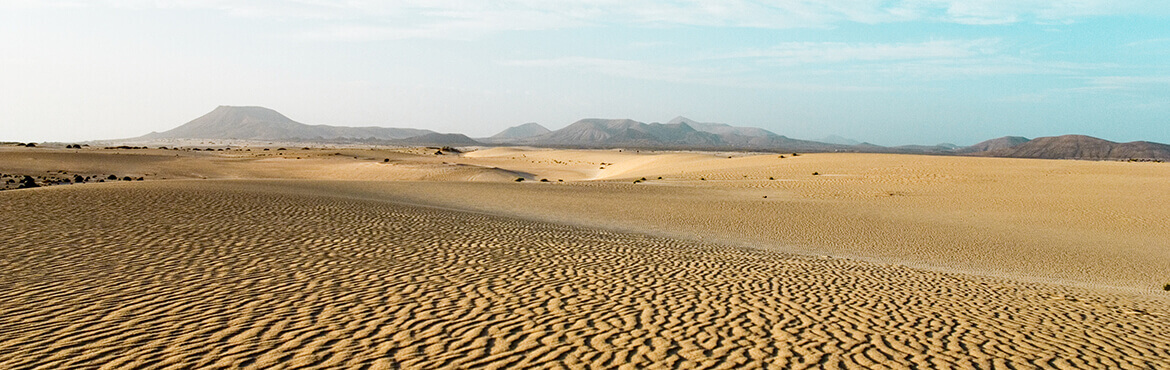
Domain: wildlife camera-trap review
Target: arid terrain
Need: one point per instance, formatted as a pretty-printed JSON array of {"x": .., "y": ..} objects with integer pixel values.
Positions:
[{"x": 265, "y": 256}]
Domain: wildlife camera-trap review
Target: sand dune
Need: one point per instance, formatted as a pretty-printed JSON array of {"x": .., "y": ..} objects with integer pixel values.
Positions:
[
  {"x": 401, "y": 258},
  {"x": 1100, "y": 224},
  {"x": 263, "y": 274},
  {"x": 295, "y": 163}
]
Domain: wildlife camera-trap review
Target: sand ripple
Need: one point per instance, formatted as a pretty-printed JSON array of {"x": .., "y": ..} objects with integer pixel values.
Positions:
[{"x": 233, "y": 274}]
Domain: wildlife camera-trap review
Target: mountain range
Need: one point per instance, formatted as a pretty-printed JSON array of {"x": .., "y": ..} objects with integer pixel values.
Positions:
[
  {"x": 517, "y": 132},
  {"x": 1001, "y": 143},
  {"x": 679, "y": 133},
  {"x": 1080, "y": 147},
  {"x": 258, "y": 123}
]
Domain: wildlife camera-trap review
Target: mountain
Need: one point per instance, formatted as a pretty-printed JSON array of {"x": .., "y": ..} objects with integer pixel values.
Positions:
[
  {"x": 737, "y": 137},
  {"x": 625, "y": 132},
  {"x": 834, "y": 139},
  {"x": 258, "y": 123},
  {"x": 943, "y": 148},
  {"x": 722, "y": 128},
  {"x": 438, "y": 139},
  {"x": 1083, "y": 147},
  {"x": 526, "y": 130},
  {"x": 678, "y": 134},
  {"x": 1005, "y": 142}
]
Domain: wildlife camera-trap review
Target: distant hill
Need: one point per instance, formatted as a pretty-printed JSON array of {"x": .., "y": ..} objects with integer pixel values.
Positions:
[
  {"x": 522, "y": 131},
  {"x": 437, "y": 139},
  {"x": 1083, "y": 147},
  {"x": 835, "y": 139},
  {"x": 680, "y": 133},
  {"x": 943, "y": 148},
  {"x": 258, "y": 123},
  {"x": 723, "y": 128},
  {"x": 625, "y": 132},
  {"x": 757, "y": 138},
  {"x": 1005, "y": 142}
]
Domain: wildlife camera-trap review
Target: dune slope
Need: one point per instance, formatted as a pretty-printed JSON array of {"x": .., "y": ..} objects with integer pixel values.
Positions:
[{"x": 267, "y": 274}]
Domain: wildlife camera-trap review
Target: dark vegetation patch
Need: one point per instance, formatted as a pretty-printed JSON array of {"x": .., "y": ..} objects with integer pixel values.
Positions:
[{"x": 60, "y": 177}]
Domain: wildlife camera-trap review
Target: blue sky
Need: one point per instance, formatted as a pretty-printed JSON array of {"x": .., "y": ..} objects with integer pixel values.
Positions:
[{"x": 887, "y": 72}]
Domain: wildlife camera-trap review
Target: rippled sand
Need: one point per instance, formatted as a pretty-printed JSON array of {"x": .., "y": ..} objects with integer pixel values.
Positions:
[
  {"x": 262, "y": 274},
  {"x": 399, "y": 258}
]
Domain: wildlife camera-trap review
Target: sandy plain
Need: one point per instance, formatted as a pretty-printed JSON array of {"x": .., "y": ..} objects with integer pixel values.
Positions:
[{"x": 387, "y": 258}]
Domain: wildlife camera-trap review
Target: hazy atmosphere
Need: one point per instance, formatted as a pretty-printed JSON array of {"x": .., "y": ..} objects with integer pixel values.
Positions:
[{"x": 887, "y": 72}]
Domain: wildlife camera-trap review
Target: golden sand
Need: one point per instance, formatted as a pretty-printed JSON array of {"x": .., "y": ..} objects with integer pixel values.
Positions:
[{"x": 882, "y": 261}]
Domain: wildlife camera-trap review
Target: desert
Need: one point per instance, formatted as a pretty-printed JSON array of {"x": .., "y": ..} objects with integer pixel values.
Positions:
[
  {"x": 584, "y": 184},
  {"x": 363, "y": 256}
]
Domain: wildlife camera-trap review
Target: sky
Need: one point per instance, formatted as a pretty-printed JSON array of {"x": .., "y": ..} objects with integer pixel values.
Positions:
[{"x": 889, "y": 72}]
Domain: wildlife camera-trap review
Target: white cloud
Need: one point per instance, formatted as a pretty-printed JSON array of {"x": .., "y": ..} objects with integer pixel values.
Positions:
[
  {"x": 799, "y": 53},
  {"x": 467, "y": 18},
  {"x": 628, "y": 69},
  {"x": 835, "y": 66},
  {"x": 724, "y": 76},
  {"x": 983, "y": 12},
  {"x": 1127, "y": 82},
  {"x": 929, "y": 60},
  {"x": 1138, "y": 87},
  {"x": 1147, "y": 42}
]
